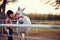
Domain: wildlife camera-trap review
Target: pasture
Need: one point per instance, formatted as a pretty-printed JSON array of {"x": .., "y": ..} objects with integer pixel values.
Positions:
[
  {"x": 42, "y": 33},
  {"x": 53, "y": 33},
  {"x": 50, "y": 22}
]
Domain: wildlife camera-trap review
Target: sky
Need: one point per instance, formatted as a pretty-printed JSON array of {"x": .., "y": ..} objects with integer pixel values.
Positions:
[{"x": 32, "y": 6}]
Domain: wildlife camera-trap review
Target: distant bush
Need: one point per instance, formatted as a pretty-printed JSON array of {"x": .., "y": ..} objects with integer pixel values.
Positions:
[{"x": 43, "y": 16}]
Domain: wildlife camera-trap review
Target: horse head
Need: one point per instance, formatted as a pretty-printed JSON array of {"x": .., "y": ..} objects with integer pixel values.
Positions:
[{"x": 20, "y": 15}]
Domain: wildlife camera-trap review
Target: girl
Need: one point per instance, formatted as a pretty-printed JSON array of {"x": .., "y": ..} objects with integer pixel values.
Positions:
[{"x": 8, "y": 21}]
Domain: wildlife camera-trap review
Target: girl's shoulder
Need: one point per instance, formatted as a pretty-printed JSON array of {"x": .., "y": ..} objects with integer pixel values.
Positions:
[{"x": 7, "y": 20}]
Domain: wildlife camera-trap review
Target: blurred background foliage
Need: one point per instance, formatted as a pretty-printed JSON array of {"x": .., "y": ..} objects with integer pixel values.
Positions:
[{"x": 36, "y": 16}]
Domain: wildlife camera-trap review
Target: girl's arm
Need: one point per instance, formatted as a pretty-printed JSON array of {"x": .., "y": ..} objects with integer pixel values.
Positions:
[
  {"x": 15, "y": 15},
  {"x": 7, "y": 22}
]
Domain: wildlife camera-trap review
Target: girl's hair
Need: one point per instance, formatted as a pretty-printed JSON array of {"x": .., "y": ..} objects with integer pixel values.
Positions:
[{"x": 9, "y": 12}]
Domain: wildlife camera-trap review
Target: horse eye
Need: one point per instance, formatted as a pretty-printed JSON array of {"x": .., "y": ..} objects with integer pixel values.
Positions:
[{"x": 18, "y": 13}]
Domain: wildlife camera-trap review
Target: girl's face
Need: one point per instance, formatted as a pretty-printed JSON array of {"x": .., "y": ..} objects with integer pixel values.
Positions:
[{"x": 11, "y": 15}]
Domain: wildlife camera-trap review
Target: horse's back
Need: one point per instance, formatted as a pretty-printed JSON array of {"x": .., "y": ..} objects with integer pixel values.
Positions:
[{"x": 26, "y": 20}]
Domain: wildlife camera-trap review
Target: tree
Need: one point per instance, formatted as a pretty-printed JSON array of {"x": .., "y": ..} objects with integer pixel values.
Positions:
[
  {"x": 58, "y": 4},
  {"x": 2, "y": 7}
]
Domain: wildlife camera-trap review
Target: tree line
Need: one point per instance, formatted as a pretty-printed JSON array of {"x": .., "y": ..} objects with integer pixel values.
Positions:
[
  {"x": 43, "y": 16},
  {"x": 36, "y": 16}
]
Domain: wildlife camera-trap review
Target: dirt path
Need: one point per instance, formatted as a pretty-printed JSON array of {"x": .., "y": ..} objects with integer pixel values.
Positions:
[
  {"x": 36, "y": 36},
  {"x": 46, "y": 35}
]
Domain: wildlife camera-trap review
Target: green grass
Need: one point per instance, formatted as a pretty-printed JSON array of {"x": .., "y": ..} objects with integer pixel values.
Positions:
[
  {"x": 42, "y": 30},
  {"x": 51, "y": 22}
]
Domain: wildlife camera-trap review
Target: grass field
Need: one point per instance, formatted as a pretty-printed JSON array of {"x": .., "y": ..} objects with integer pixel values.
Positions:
[
  {"x": 42, "y": 34},
  {"x": 46, "y": 33},
  {"x": 51, "y": 22},
  {"x": 33, "y": 30},
  {"x": 51, "y": 33}
]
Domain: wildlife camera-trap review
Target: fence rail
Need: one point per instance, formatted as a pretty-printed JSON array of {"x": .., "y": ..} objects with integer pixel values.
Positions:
[{"x": 31, "y": 25}]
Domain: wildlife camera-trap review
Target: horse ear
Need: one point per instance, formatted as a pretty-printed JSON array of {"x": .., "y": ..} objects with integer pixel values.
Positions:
[
  {"x": 18, "y": 8},
  {"x": 23, "y": 8}
]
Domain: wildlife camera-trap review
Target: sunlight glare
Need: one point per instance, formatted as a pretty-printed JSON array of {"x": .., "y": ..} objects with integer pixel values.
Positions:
[{"x": 31, "y": 6}]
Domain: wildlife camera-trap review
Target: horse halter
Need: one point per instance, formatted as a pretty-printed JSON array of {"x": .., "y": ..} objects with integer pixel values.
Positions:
[
  {"x": 20, "y": 17},
  {"x": 20, "y": 21}
]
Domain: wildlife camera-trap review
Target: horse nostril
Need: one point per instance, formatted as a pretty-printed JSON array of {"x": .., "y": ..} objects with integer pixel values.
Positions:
[{"x": 21, "y": 22}]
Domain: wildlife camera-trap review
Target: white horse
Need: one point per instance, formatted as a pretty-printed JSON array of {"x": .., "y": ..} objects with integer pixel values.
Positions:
[{"x": 22, "y": 19}]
